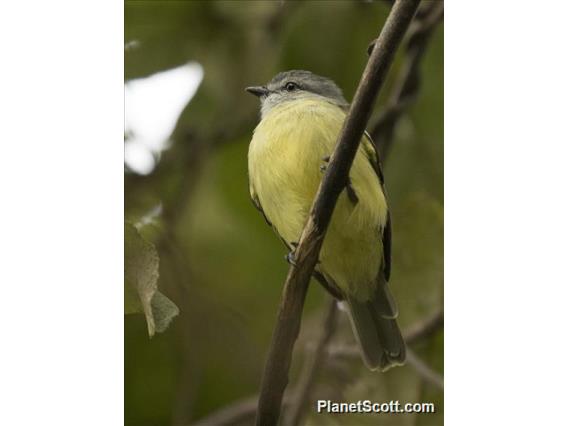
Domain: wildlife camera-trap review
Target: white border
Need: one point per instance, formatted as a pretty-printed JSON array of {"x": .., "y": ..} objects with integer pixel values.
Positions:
[
  {"x": 506, "y": 180},
  {"x": 61, "y": 250},
  {"x": 61, "y": 109}
]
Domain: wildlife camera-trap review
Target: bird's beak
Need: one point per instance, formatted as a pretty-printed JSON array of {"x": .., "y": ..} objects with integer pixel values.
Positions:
[{"x": 257, "y": 90}]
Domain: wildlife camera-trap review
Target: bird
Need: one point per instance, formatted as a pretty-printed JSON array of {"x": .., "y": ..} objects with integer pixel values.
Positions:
[{"x": 301, "y": 115}]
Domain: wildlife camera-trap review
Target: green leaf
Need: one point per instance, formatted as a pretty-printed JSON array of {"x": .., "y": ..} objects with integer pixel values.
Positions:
[{"x": 141, "y": 295}]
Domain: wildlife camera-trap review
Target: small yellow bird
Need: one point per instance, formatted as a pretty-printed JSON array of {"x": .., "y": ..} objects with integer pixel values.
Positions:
[{"x": 301, "y": 117}]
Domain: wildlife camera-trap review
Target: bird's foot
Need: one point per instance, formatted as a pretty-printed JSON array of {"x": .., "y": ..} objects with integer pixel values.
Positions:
[
  {"x": 325, "y": 160},
  {"x": 290, "y": 257}
]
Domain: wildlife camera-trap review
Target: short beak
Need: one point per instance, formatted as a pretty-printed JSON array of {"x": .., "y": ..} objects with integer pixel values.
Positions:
[{"x": 257, "y": 90}]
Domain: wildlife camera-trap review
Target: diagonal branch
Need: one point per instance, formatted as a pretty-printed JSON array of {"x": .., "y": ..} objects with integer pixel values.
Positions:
[
  {"x": 427, "y": 16},
  {"x": 275, "y": 378},
  {"x": 407, "y": 86},
  {"x": 425, "y": 328},
  {"x": 311, "y": 369},
  {"x": 424, "y": 371}
]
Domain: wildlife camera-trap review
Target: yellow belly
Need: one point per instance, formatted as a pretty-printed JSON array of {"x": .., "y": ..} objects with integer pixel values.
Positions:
[{"x": 285, "y": 155}]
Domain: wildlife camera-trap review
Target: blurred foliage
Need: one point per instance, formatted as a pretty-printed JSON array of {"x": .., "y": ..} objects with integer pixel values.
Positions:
[{"x": 219, "y": 262}]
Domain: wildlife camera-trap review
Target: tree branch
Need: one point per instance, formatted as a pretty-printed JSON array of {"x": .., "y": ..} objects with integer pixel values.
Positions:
[
  {"x": 425, "y": 328},
  {"x": 423, "y": 370},
  {"x": 427, "y": 16},
  {"x": 236, "y": 413},
  {"x": 275, "y": 378},
  {"x": 312, "y": 367},
  {"x": 408, "y": 84}
]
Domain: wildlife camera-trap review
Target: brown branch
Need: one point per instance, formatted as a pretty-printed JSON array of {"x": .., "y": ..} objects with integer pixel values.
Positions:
[
  {"x": 275, "y": 377},
  {"x": 406, "y": 88},
  {"x": 427, "y": 16},
  {"x": 312, "y": 367},
  {"x": 236, "y": 413}
]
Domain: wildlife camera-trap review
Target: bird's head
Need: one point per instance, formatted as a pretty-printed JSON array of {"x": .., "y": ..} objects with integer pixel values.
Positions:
[{"x": 293, "y": 85}]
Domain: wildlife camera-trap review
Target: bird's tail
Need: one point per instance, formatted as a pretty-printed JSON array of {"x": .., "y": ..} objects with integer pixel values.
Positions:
[{"x": 375, "y": 327}]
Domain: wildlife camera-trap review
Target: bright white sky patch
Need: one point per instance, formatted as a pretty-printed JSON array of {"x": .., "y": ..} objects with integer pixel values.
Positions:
[{"x": 152, "y": 108}]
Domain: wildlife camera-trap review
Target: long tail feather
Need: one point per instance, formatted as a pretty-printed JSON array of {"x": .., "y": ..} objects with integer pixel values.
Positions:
[{"x": 376, "y": 329}]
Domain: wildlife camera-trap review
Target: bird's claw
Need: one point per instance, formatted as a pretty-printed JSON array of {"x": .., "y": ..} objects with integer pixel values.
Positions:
[
  {"x": 323, "y": 167},
  {"x": 290, "y": 258}
]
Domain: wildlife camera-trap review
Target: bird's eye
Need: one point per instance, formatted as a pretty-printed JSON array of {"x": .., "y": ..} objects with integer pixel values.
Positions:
[{"x": 291, "y": 86}]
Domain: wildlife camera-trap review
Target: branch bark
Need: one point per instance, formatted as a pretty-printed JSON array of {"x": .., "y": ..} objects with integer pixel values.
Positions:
[
  {"x": 237, "y": 413},
  {"x": 408, "y": 84},
  {"x": 313, "y": 366},
  {"x": 275, "y": 378}
]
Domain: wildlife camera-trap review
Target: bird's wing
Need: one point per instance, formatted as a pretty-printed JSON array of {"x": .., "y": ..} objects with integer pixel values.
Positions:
[
  {"x": 256, "y": 203},
  {"x": 371, "y": 152}
]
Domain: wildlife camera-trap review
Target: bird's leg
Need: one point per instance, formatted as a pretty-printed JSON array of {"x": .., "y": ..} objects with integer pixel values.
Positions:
[
  {"x": 290, "y": 256},
  {"x": 325, "y": 160}
]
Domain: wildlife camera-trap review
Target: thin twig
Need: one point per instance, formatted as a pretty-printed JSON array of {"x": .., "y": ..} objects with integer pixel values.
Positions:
[
  {"x": 406, "y": 88},
  {"x": 275, "y": 377},
  {"x": 421, "y": 330},
  {"x": 423, "y": 370},
  {"x": 244, "y": 409},
  {"x": 311, "y": 369}
]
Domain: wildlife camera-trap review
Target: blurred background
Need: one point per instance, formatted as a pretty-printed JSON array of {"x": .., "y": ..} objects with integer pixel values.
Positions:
[{"x": 188, "y": 123}]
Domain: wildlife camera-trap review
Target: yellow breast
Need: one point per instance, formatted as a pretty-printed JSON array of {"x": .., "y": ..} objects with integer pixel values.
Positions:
[{"x": 285, "y": 155}]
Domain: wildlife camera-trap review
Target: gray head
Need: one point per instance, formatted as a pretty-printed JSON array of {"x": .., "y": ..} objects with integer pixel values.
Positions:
[{"x": 296, "y": 84}]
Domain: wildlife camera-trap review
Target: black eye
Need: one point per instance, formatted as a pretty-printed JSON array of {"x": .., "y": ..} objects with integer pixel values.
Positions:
[{"x": 291, "y": 86}]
